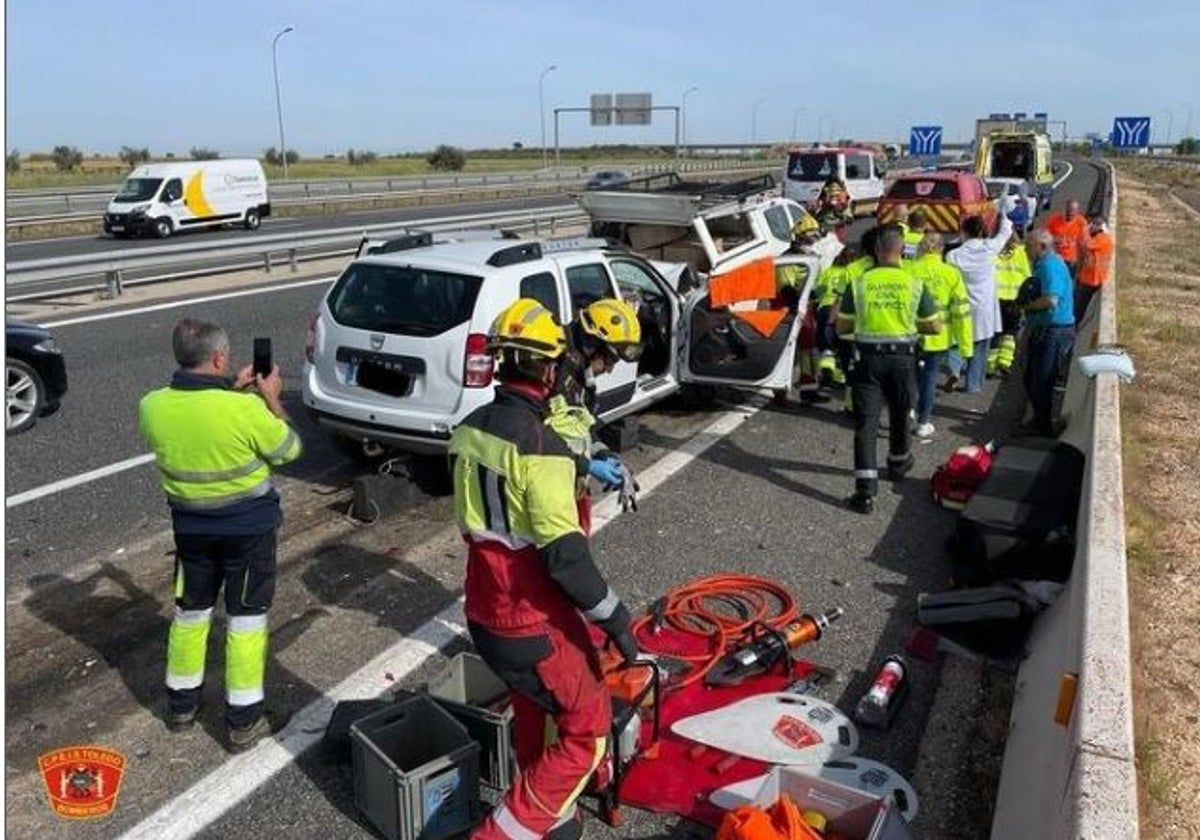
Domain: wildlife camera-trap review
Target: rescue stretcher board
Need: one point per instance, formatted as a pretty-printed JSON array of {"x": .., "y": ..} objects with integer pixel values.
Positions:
[{"x": 776, "y": 728}]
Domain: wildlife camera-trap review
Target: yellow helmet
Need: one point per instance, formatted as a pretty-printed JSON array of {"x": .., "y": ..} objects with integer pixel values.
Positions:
[
  {"x": 804, "y": 225},
  {"x": 530, "y": 326},
  {"x": 615, "y": 323}
]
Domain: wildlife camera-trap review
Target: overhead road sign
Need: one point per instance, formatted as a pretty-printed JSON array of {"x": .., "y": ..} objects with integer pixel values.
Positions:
[
  {"x": 1131, "y": 132},
  {"x": 925, "y": 141},
  {"x": 602, "y": 108},
  {"x": 633, "y": 108}
]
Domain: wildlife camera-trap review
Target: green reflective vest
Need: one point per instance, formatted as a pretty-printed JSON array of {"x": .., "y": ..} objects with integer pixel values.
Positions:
[
  {"x": 853, "y": 270},
  {"x": 1012, "y": 269},
  {"x": 946, "y": 286},
  {"x": 214, "y": 447},
  {"x": 887, "y": 303},
  {"x": 912, "y": 238},
  {"x": 830, "y": 285}
]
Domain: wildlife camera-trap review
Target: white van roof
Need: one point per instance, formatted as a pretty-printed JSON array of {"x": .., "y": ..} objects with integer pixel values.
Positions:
[{"x": 180, "y": 168}]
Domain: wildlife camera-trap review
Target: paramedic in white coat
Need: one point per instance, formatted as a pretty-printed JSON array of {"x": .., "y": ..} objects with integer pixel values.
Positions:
[{"x": 976, "y": 259}]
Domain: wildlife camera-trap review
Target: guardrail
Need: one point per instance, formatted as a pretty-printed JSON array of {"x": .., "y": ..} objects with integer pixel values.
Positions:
[
  {"x": 1079, "y": 779},
  {"x": 94, "y": 199},
  {"x": 222, "y": 255}
]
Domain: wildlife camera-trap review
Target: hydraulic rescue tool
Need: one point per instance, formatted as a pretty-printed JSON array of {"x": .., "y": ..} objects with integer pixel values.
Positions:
[{"x": 764, "y": 647}]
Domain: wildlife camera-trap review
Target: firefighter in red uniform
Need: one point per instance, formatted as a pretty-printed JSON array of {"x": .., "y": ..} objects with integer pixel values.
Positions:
[{"x": 530, "y": 575}]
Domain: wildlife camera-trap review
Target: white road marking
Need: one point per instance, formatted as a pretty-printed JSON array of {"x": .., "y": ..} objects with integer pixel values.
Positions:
[
  {"x": 76, "y": 480},
  {"x": 1070, "y": 169},
  {"x": 174, "y": 304},
  {"x": 211, "y": 797}
]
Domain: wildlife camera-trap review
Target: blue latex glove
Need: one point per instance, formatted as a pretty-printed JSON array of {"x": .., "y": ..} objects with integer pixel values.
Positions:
[{"x": 607, "y": 471}]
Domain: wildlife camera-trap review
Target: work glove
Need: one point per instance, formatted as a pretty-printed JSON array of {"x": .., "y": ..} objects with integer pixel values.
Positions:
[
  {"x": 617, "y": 628},
  {"x": 608, "y": 470}
]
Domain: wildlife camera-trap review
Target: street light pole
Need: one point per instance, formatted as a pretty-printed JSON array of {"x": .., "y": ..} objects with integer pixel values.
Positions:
[
  {"x": 754, "y": 120},
  {"x": 278, "y": 101},
  {"x": 796, "y": 112},
  {"x": 691, "y": 89},
  {"x": 1170, "y": 124},
  {"x": 542, "y": 109}
]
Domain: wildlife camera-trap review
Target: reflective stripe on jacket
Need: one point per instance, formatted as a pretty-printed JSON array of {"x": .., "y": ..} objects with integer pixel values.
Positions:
[
  {"x": 214, "y": 447},
  {"x": 945, "y": 284},
  {"x": 514, "y": 502},
  {"x": 1012, "y": 269}
]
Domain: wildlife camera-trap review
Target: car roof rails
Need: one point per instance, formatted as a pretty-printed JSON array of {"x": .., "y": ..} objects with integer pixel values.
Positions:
[
  {"x": 406, "y": 242},
  {"x": 513, "y": 254},
  {"x": 575, "y": 243}
]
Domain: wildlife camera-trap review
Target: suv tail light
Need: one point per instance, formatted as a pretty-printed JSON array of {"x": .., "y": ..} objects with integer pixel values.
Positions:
[
  {"x": 310, "y": 338},
  {"x": 478, "y": 364}
]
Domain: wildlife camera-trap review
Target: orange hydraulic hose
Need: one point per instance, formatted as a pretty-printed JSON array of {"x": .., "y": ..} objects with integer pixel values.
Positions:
[{"x": 748, "y": 600}]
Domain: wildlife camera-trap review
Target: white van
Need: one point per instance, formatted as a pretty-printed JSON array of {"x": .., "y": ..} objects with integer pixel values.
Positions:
[
  {"x": 860, "y": 169},
  {"x": 161, "y": 198}
]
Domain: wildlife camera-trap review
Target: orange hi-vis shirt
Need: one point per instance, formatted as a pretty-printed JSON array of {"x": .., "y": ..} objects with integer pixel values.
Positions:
[
  {"x": 1097, "y": 259},
  {"x": 1067, "y": 235}
]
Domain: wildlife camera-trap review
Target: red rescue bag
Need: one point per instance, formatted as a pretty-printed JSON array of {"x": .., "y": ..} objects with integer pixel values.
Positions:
[{"x": 955, "y": 482}]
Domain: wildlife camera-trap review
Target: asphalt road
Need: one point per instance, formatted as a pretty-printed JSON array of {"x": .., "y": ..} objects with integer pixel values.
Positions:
[
  {"x": 73, "y": 245},
  {"x": 86, "y": 621}
]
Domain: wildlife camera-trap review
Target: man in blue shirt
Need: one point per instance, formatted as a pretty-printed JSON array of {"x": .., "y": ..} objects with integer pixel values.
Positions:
[{"x": 1051, "y": 323}]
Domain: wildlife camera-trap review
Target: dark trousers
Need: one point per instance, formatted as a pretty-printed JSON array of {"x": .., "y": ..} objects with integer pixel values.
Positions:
[
  {"x": 245, "y": 567},
  {"x": 1048, "y": 348},
  {"x": 880, "y": 378}
]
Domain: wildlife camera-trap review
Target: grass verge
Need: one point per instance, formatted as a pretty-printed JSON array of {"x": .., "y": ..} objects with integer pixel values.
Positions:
[{"x": 1158, "y": 265}]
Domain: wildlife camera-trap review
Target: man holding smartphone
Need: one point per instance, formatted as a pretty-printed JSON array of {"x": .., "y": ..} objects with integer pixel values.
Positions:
[{"x": 215, "y": 441}]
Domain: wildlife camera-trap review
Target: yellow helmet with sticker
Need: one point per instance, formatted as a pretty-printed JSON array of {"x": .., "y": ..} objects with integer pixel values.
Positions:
[
  {"x": 615, "y": 323},
  {"x": 528, "y": 325}
]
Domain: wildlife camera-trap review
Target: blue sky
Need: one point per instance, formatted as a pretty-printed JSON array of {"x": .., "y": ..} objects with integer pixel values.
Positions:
[{"x": 392, "y": 75}]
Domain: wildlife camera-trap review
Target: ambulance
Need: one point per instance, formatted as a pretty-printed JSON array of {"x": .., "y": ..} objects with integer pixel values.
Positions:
[{"x": 164, "y": 198}]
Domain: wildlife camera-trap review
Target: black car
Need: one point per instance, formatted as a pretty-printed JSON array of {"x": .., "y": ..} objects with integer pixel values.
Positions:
[
  {"x": 607, "y": 180},
  {"x": 35, "y": 375}
]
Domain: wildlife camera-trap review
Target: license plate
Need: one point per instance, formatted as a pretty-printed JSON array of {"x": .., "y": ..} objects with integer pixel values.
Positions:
[
  {"x": 384, "y": 379},
  {"x": 117, "y": 228}
]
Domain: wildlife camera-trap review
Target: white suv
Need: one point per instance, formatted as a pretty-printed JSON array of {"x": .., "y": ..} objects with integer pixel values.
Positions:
[{"x": 395, "y": 351}]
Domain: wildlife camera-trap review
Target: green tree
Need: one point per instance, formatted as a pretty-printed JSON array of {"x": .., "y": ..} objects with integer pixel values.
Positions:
[
  {"x": 360, "y": 157},
  {"x": 271, "y": 157},
  {"x": 1187, "y": 146},
  {"x": 133, "y": 156},
  {"x": 447, "y": 159},
  {"x": 293, "y": 156},
  {"x": 201, "y": 153},
  {"x": 66, "y": 158},
  {"x": 12, "y": 162}
]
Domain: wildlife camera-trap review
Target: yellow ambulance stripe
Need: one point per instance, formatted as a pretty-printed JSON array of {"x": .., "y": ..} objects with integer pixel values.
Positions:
[{"x": 193, "y": 195}]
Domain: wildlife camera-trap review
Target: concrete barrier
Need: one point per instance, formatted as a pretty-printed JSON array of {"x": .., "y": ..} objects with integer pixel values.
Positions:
[{"x": 1078, "y": 779}]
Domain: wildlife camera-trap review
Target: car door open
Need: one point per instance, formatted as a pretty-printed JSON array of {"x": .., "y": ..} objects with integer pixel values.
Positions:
[{"x": 736, "y": 332}]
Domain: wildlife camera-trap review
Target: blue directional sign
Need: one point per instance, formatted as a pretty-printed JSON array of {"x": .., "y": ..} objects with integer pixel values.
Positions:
[
  {"x": 1131, "y": 132},
  {"x": 925, "y": 140}
]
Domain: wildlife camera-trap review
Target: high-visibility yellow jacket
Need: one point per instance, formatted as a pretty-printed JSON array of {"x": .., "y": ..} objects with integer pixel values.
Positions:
[
  {"x": 514, "y": 502},
  {"x": 1012, "y": 269},
  {"x": 945, "y": 282},
  {"x": 853, "y": 270},
  {"x": 214, "y": 446},
  {"x": 885, "y": 306}
]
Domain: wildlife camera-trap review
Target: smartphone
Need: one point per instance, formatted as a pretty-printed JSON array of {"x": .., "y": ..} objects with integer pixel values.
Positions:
[{"x": 262, "y": 356}]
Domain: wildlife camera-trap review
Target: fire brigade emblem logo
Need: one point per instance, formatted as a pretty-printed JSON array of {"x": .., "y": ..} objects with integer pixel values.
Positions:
[
  {"x": 376, "y": 341},
  {"x": 82, "y": 782}
]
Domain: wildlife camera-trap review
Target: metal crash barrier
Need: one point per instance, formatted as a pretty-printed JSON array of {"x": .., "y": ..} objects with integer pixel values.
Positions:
[{"x": 1069, "y": 768}]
